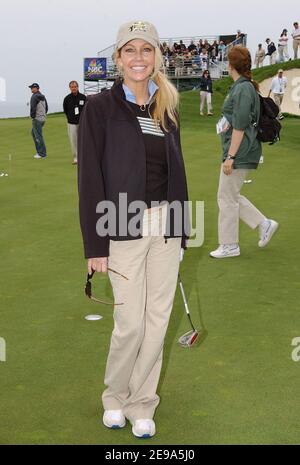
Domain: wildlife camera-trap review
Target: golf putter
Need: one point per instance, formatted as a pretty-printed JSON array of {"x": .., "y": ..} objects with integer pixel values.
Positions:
[{"x": 189, "y": 338}]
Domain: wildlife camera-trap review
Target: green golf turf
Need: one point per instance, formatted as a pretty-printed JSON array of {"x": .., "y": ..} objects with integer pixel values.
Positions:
[{"x": 240, "y": 385}]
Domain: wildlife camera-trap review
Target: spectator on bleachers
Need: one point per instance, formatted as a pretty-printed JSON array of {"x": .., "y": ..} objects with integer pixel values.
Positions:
[
  {"x": 209, "y": 51},
  {"x": 165, "y": 49},
  {"x": 283, "y": 46},
  {"x": 171, "y": 68},
  {"x": 166, "y": 61},
  {"x": 206, "y": 91},
  {"x": 179, "y": 65},
  {"x": 214, "y": 50},
  {"x": 196, "y": 62},
  {"x": 239, "y": 39},
  {"x": 188, "y": 63},
  {"x": 182, "y": 46},
  {"x": 200, "y": 46},
  {"x": 176, "y": 48},
  {"x": 192, "y": 47},
  {"x": 221, "y": 48},
  {"x": 204, "y": 60},
  {"x": 260, "y": 56},
  {"x": 272, "y": 51}
]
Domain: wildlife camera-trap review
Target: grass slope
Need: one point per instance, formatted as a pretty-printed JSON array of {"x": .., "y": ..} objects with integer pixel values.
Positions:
[{"x": 239, "y": 386}]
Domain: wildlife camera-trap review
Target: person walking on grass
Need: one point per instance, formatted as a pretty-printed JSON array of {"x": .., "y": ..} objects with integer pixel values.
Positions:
[
  {"x": 129, "y": 142},
  {"x": 272, "y": 51},
  {"x": 38, "y": 113},
  {"x": 283, "y": 46},
  {"x": 296, "y": 39},
  {"x": 206, "y": 91},
  {"x": 278, "y": 88},
  {"x": 241, "y": 153},
  {"x": 260, "y": 56},
  {"x": 73, "y": 105}
]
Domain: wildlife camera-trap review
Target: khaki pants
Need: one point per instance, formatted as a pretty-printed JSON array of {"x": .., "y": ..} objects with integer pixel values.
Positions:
[
  {"x": 283, "y": 53},
  {"x": 259, "y": 62},
  {"x": 278, "y": 99},
  {"x": 205, "y": 96},
  {"x": 73, "y": 137},
  {"x": 135, "y": 356},
  {"x": 296, "y": 45},
  {"x": 233, "y": 206},
  {"x": 273, "y": 58}
]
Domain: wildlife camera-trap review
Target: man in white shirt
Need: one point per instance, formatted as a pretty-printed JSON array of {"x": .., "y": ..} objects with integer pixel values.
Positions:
[
  {"x": 278, "y": 86},
  {"x": 296, "y": 39}
]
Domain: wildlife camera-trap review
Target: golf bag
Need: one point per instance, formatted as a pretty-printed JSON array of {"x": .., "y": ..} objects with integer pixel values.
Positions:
[{"x": 268, "y": 126}]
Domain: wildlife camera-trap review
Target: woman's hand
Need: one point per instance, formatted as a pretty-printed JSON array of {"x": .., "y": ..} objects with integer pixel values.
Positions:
[
  {"x": 97, "y": 264},
  {"x": 227, "y": 167}
]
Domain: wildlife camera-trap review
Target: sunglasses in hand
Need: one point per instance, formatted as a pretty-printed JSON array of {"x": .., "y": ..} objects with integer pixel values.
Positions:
[{"x": 88, "y": 288}]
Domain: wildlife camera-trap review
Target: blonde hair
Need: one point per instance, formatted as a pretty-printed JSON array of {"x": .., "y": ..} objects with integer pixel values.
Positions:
[{"x": 166, "y": 98}]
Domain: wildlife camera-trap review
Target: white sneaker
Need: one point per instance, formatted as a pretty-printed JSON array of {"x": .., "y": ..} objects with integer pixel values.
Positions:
[
  {"x": 266, "y": 230},
  {"x": 143, "y": 429},
  {"x": 226, "y": 251},
  {"x": 114, "y": 419},
  {"x": 37, "y": 156}
]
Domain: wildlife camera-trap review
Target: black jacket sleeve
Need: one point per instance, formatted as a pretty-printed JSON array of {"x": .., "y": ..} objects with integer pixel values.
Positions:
[
  {"x": 91, "y": 186},
  {"x": 186, "y": 213},
  {"x": 65, "y": 105}
]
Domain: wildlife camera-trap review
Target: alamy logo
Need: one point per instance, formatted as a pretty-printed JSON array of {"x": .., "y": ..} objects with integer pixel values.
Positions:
[
  {"x": 296, "y": 351},
  {"x": 126, "y": 218},
  {"x": 296, "y": 90},
  {"x": 2, "y": 89},
  {"x": 2, "y": 350}
]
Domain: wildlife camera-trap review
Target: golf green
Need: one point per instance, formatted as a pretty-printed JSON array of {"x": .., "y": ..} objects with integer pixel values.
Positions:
[{"x": 238, "y": 386}]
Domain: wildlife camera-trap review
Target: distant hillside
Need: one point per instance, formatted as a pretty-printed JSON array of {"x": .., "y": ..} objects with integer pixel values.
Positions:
[{"x": 258, "y": 74}]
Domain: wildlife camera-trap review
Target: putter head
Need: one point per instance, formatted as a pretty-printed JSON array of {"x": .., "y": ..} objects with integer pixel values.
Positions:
[{"x": 189, "y": 339}]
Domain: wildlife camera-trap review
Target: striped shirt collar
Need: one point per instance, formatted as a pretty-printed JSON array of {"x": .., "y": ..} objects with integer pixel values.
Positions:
[{"x": 130, "y": 97}]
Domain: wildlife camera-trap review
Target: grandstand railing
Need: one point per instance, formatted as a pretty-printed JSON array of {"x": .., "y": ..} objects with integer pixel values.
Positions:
[
  {"x": 187, "y": 69},
  {"x": 241, "y": 41},
  {"x": 184, "y": 68}
]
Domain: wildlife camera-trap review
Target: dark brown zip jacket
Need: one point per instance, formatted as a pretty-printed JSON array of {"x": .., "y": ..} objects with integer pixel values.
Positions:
[{"x": 112, "y": 160}]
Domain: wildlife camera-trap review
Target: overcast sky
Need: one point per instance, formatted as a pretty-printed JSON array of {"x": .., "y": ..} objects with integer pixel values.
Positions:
[{"x": 45, "y": 41}]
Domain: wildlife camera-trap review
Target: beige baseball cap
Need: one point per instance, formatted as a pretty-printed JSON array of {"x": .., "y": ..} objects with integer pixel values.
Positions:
[
  {"x": 137, "y": 30},
  {"x": 280, "y": 71}
]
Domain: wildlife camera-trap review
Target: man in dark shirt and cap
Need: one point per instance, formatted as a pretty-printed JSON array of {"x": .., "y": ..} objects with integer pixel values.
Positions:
[
  {"x": 38, "y": 112},
  {"x": 272, "y": 53},
  {"x": 73, "y": 106}
]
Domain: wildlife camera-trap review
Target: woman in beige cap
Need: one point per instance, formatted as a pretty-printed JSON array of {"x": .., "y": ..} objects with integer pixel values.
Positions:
[{"x": 129, "y": 144}]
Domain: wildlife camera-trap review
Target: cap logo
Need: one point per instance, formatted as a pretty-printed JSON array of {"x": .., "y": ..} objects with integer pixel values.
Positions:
[{"x": 139, "y": 26}]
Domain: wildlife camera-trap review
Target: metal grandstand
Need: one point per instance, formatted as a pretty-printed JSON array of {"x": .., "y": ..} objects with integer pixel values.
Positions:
[{"x": 184, "y": 73}]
